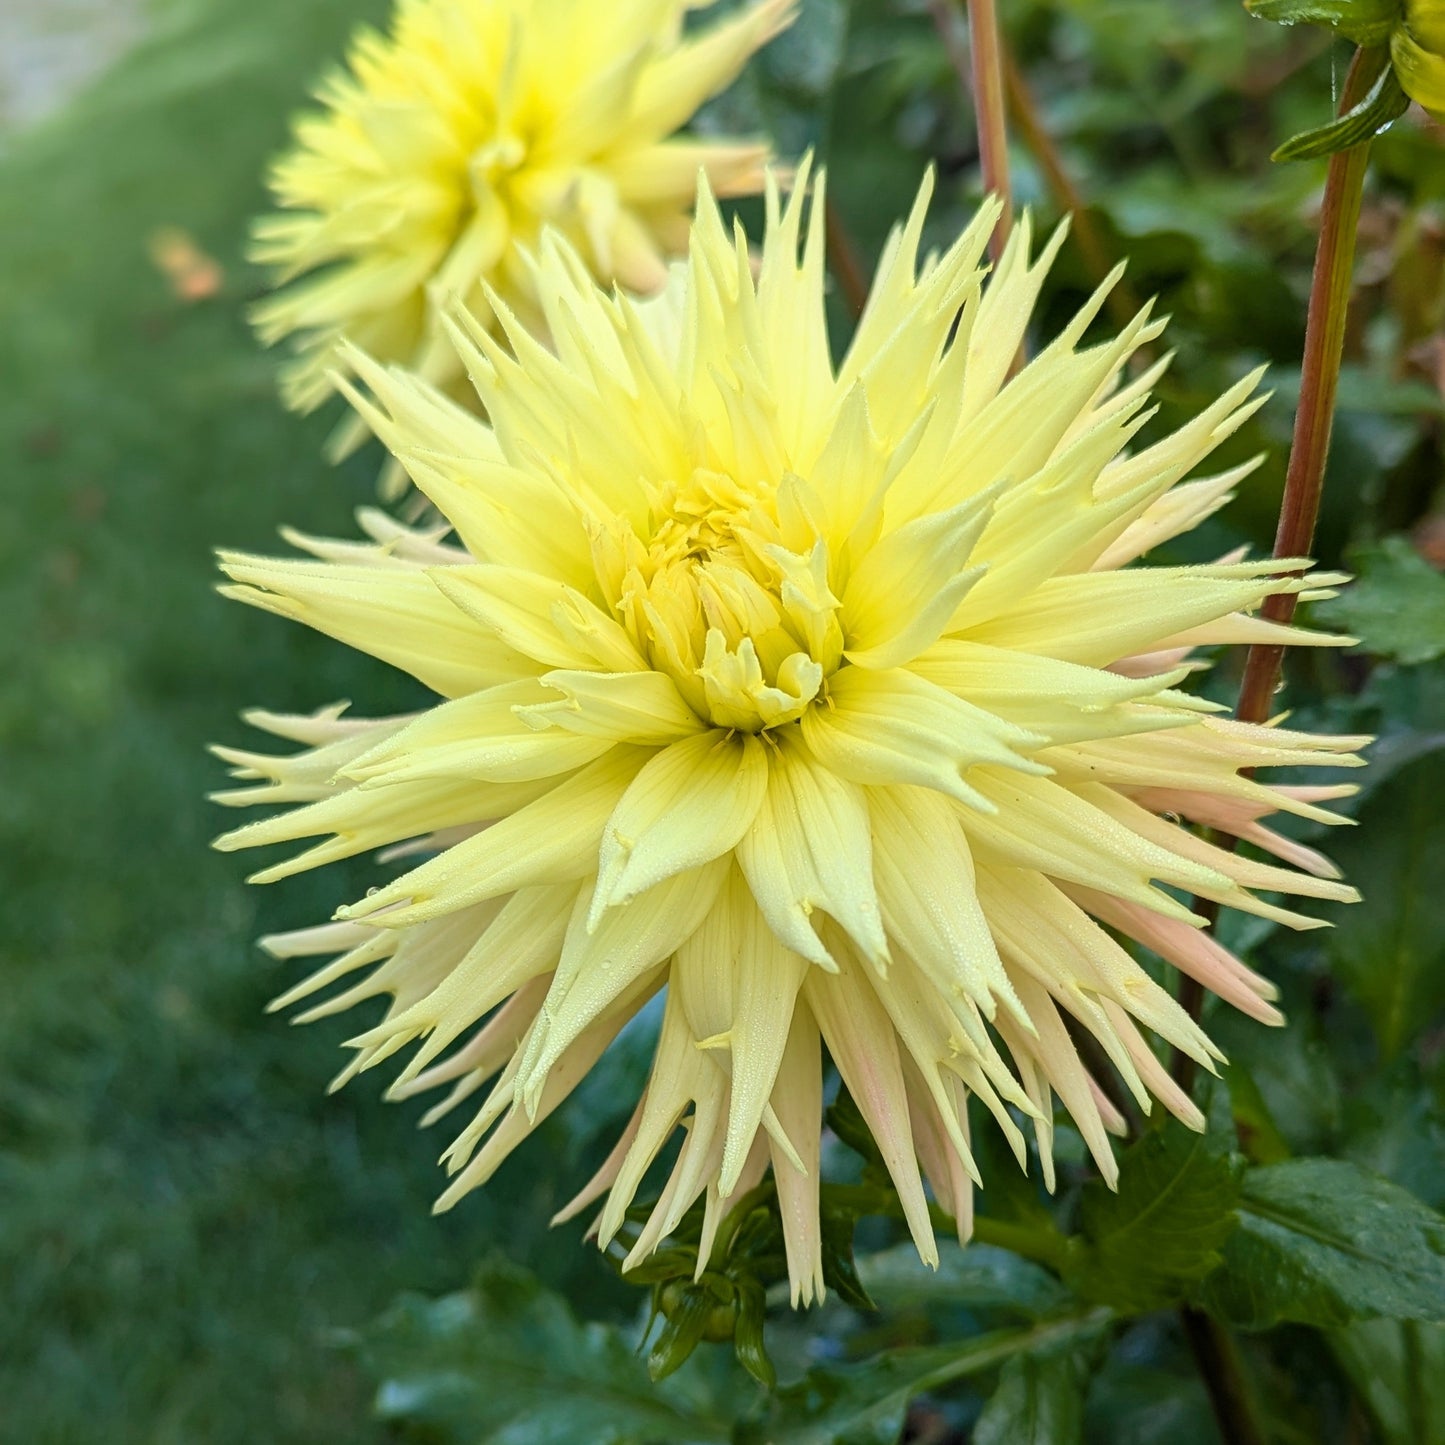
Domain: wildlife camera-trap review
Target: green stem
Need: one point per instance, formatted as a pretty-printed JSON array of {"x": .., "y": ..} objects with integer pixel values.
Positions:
[{"x": 991, "y": 1351}]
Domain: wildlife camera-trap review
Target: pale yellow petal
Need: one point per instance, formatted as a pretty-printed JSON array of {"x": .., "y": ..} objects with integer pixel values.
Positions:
[
  {"x": 691, "y": 803},
  {"x": 552, "y": 840},
  {"x": 892, "y": 727},
  {"x": 737, "y": 984},
  {"x": 864, "y": 1046},
  {"x": 633, "y": 707},
  {"x": 810, "y": 848}
]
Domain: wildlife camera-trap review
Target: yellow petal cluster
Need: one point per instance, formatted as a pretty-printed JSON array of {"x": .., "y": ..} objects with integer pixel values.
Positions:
[
  {"x": 821, "y": 699},
  {"x": 446, "y": 148}
]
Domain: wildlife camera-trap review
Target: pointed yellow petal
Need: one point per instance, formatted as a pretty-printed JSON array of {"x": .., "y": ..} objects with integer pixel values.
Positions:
[
  {"x": 810, "y": 848},
  {"x": 892, "y": 727},
  {"x": 690, "y": 804}
]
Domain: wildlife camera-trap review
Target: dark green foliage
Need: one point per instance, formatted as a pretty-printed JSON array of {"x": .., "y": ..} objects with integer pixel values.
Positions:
[
  {"x": 1039, "y": 1401},
  {"x": 1391, "y": 955},
  {"x": 865, "y": 1405},
  {"x": 1141, "y": 1247},
  {"x": 506, "y": 1363},
  {"x": 1325, "y": 1242},
  {"x": 1396, "y": 606},
  {"x": 979, "y": 1277},
  {"x": 1398, "y": 1367}
]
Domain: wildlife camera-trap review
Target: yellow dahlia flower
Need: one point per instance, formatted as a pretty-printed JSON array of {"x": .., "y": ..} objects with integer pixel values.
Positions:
[
  {"x": 452, "y": 143},
  {"x": 820, "y": 698}
]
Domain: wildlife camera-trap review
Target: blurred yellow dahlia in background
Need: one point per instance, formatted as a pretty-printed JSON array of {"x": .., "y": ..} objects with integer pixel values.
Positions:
[
  {"x": 452, "y": 143},
  {"x": 822, "y": 698}
]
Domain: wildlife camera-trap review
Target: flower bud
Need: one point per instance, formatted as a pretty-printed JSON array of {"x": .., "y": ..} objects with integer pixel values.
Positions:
[{"x": 1417, "y": 47}]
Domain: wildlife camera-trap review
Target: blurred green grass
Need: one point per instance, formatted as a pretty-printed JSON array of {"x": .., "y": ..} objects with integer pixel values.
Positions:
[{"x": 185, "y": 1220}]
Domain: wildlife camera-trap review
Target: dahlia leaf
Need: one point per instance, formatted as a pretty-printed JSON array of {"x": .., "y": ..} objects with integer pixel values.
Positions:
[
  {"x": 866, "y": 1404},
  {"x": 1385, "y": 103},
  {"x": 1142, "y": 1247},
  {"x": 1392, "y": 957},
  {"x": 1039, "y": 1401},
  {"x": 1324, "y": 1242},
  {"x": 506, "y": 1361},
  {"x": 978, "y": 1277},
  {"x": 1397, "y": 608},
  {"x": 1398, "y": 1367}
]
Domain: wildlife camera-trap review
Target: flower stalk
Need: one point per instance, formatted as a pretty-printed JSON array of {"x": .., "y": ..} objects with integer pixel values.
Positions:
[
  {"x": 986, "y": 50},
  {"x": 980, "y": 70},
  {"x": 1319, "y": 381}
]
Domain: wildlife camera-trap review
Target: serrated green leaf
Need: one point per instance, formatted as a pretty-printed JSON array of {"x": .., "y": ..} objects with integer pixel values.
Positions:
[
  {"x": 1366, "y": 22},
  {"x": 1324, "y": 1242},
  {"x": 505, "y": 1363},
  {"x": 1039, "y": 1401},
  {"x": 1385, "y": 102},
  {"x": 866, "y": 1404},
  {"x": 1140, "y": 1248},
  {"x": 1390, "y": 951},
  {"x": 1396, "y": 608}
]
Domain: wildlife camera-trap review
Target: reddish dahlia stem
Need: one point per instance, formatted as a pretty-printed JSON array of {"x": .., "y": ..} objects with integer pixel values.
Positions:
[
  {"x": 981, "y": 72},
  {"x": 1324, "y": 346},
  {"x": 986, "y": 48}
]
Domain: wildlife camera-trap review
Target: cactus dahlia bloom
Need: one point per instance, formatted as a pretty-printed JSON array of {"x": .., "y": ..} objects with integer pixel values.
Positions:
[
  {"x": 453, "y": 143},
  {"x": 820, "y": 698}
]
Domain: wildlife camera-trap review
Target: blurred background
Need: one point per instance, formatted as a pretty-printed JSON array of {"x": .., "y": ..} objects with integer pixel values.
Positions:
[{"x": 194, "y": 1237}]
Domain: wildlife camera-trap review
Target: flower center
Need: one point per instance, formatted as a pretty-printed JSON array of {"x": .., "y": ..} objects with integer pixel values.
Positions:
[{"x": 744, "y": 625}]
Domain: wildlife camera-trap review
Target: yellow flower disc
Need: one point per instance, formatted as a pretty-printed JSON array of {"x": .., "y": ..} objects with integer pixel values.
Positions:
[{"x": 823, "y": 699}]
